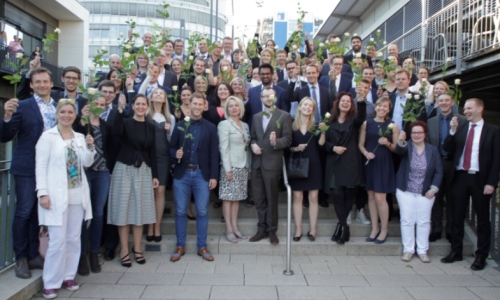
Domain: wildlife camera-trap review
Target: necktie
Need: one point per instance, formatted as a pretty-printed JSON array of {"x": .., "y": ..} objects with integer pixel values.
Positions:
[
  {"x": 315, "y": 97},
  {"x": 105, "y": 114},
  {"x": 333, "y": 89},
  {"x": 468, "y": 147},
  {"x": 149, "y": 90}
]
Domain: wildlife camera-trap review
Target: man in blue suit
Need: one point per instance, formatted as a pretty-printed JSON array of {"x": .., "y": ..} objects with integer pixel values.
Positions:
[
  {"x": 27, "y": 120},
  {"x": 337, "y": 80},
  {"x": 371, "y": 95},
  {"x": 254, "y": 104},
  {"x": 196, "y": 172},
  {"x": 150, "y": 83}
]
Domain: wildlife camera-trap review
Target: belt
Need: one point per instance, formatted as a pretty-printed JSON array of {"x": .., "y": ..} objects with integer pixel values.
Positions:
[
  {"x": 472, "y": 172},
  {"x": 192, "y": 167},
  {"x": 446, "y": 158}
]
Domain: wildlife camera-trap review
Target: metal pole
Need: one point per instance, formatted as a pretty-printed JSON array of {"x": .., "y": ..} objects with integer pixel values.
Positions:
[
  {"x": 287, "y": 271},
  {"x": 216, "y": 19},
  {"x": 458, "y": 59},
  {"x": 423, "y": 31},
  {"x": 211, "y": 17}
]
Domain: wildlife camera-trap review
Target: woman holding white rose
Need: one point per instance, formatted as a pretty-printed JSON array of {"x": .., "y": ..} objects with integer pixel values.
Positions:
[
  {"x": 64, "y": 197},
  {"x": 376, "y": 142},
  {"x": 418, "y": 180},
  {"x": 164, "y": 122}
]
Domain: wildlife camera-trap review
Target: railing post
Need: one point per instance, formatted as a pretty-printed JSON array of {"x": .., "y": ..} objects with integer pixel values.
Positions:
[
  {"x": 423, "y": 32},
  {"x": 458, "y": 58},
  {"x": 288, "y": 271}
]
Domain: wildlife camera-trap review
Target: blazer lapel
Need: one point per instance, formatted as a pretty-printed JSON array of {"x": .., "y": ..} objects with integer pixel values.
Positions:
[
  {"x": 36, "y": 111},
  {"x": 482, "y": 139},
  {"x": 272, "y": 121}
]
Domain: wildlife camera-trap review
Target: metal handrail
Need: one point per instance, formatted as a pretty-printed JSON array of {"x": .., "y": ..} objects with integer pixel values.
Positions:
[{"x": 288, "y": 271}]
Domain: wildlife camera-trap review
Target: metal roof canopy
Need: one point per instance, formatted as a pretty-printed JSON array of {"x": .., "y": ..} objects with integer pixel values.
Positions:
[{"x": 344, "y": 17}]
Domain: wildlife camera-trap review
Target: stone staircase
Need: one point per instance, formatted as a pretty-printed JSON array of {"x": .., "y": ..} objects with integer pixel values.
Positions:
[{"x": 327, "y": 221}]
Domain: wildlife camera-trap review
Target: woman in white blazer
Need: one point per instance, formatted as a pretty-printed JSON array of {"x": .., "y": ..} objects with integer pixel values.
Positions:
[
  {"x": 64, "y": 198},
  {"x": 234, "y": 140}
]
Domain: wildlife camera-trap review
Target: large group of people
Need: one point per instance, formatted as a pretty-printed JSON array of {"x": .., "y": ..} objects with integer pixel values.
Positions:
[{"x": 215, "y": 129}]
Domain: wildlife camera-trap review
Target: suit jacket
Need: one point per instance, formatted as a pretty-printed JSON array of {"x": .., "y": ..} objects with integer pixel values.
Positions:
[
  {"x": 421, "y": 117},
  {"x": 349, "y": 57},
  {"x": 434, "y": 132},
  {"x": 234, "y": 145},
  {"x": 344, "y": 86},
  {"x": 27, "y": 124},
  {"x": 373, "y": 92},
  {"x": 208, "y": 150},
  {"x": 284, "y": 85},
  {"x": 489, "y": 148},
  {"x": 325, "y": 102},
  {"x": 271, "y": 157},
  {"x": 170, "y": 79},
  {"x": 254, "y": 105}
]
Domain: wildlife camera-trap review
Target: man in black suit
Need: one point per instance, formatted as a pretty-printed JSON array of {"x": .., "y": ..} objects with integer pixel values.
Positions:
[
  {"x": 293, "y": 71},
  {"x": 165, "y": 78},
  {"x": 356, "y": 44},
  {"x": 439, "y": 127},
  {"x": 475, "y": 146},
  {"x": 337, "y": 80}
]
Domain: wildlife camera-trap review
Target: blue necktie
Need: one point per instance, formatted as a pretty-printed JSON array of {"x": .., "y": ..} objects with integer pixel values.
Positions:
[{"x": 315, "y": 97}]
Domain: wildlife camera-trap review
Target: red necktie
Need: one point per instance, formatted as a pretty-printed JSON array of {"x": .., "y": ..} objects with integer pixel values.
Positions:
[{"x": 468, "y": 148}]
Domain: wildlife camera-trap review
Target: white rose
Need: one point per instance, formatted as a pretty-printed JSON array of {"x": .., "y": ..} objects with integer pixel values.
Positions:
[
  {"x": 294, "y": 47},
  {"x": 19, "y": 55},
  {"x": 457, "y": 81},
  {"x": 245, "y": 61},
  {"x": 380, "y": 54},
  {"x": 103, "y": 48},
  {"x": 208, "y": 71},
  {"x": 384, "y": 43},
  {"x": 408, "y": 96},
  {"x": 358, "y": 55},
  {"x": 321, "y": 45},
  {"x": 255, "y": 38},
  {"x": 327, "y": 115},
  {"x": 276, "y": 47},
  {"x": 390, "y": 126},
  {"x": 424, "y": 81},
  {"x": 187, "y": 119},
  {"x": 271, "y": 97},
  {"x": 135, "y": 31},
  {"x": 126, "y": 55},
  {"x": 372, "y": 39},
  {"x": 336, "y": 40},
  {"x": 91, "y": 91},
  {"x": 127, "y": 46},
  {"x": 121, "y": 33},
  {"x": 92, "y": 68},
  {"x": 57, "y": 30},
  {"x": 174, "y": 88},
  {"x": 131, "y": 63},
  {"x": 224, "y": 68},
  {"x": 378, "y": 30},
  {"x": 157, "y": 33},
  {"x": 355, "y": 34},
  {"x": 346, "y": 34},
  {"x": 448, "y": 59},
  {"x": 191, "y": 57},
  {"x": 417, "y": 97}
]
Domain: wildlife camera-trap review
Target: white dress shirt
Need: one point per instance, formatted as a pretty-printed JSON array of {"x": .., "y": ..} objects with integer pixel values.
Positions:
[{"x": 474, "y": 158}]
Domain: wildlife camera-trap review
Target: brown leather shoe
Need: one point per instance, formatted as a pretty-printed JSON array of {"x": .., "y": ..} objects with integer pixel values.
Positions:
[
  {"x": 273, "y": 238},
  {"x": 176, "y": 256},
  {"x": 36, "y": 263},
  {"x": 205, "y": 254},
  {"x": 258, "y": 236},
  {"x": 22, "y": 269}
]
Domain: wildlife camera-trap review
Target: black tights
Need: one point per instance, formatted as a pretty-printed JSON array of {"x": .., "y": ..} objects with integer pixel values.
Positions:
[{"x": 343, "y": 199}]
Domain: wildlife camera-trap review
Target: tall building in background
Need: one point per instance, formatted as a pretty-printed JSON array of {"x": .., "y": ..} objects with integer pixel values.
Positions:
[{"x": 108, "y": 17}]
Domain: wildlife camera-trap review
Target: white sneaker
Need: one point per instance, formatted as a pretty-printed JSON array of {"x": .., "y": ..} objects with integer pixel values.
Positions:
[
  {"x": 349, "y": 218},
  {"x": 406, "y": 256},
  {"x": 360, "y": 216}
]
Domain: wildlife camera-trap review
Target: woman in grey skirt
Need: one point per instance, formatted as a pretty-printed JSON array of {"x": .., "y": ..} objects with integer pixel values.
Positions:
[
  {"x": 234, "y": 138},
  {"x": 164, "y": 122},
  {"x": 131, "y": 199}
]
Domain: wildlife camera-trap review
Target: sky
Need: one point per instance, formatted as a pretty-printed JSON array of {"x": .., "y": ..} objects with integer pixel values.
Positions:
[{"x": 246, "y": 12}]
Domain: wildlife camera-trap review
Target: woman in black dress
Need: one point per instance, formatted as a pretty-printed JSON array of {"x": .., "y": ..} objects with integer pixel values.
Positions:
[
  {"x": 344, "y": 169},
  {"x": 305, "y": 143}
]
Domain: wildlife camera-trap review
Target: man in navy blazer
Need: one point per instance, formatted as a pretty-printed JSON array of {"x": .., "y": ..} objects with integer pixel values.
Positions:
[
  {"x": 196, "y": 171},
  {"x": 337, "y": 80},
  {"x": 254, "y": 104},
  {"x": 356, "y": 44},
  {"x": 150, "y": 83},
  {"x": 27, "y": 120}
]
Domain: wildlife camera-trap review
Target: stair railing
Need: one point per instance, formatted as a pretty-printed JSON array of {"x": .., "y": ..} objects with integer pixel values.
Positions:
[{"x": 288, "y": 271}]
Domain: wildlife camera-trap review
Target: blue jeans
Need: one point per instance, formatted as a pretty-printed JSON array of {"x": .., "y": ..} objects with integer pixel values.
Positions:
[
  {"x": 191, "y": 182},
  {"x": 99, "y": 189},
  {"x": 25, "y": 223}
]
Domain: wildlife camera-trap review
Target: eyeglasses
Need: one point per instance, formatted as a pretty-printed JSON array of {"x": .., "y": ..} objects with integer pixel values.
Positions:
[
  {"x": 71, "y": 78},
  {"x": 418, "y": 132},
  {"x": 265, "y": 74},
  {"x": 67, "y": 100},
  {"x": 290, "y": 69}
]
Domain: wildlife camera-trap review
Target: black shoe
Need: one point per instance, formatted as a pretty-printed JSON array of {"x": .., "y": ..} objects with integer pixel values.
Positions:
[
  {"x": 434, "y": 236},
  {"x": 273, "y": 238},
  {"x": 324, "y": 203},
  {"x": 452, "y": 257},
  {"x": 306, "y": 203},
  {"x": 448, "y": 237},
  {"x": 338, "y": 232},
  {"x": 157, "y": 238},
  {"x": 95, "y": 266},
  {"x": 222, "y": 220},
  {"x": 36, "y": 263},
  {"x": 22, "y": 268},
  {"x": 259, "y": 236},
  {"x": 311, "y": 237},
  {"x": 217, "y": 204},
  {"x": 250, "y": 203},
  {"x": 478, "y": 264},
  {"x": 297, "y": 238},
  {"x": 109, "y": 254},
  {"x": 346, "y": 234},
  {"x": 83, "y": 266}
]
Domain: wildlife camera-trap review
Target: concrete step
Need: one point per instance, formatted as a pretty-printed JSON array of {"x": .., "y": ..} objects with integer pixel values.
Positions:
[
  {"x": 217, "y": 244},
  {"x": 248, "y": 226}
]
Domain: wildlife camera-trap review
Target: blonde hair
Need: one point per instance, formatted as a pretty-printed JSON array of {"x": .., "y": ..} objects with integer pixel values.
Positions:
[
  {"x": 244, "y": 91},
  {"x": 240, "y": 104},
  {"x": 298, "y": 114},
  {"x": 271, "y": 53},
  {"x": 165, "y": 111}
]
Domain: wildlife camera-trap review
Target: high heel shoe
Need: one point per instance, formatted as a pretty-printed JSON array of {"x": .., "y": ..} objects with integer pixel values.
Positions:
[
  {"x": 157, "y": 238},
  {"x": 311, "y": 237},
  {"x": 297, "y": 238},
  {"x": 125, "y": 260},
  {"x": 377, "y": 241},
  {"x": 346, "y": 234},
  {"x": 338, "y": 232},
  {"x": 239, "y": 235},
  {"x": 370, "y": 239},
  {"x": 150, "y": 238},
  {"x": 231, "y": 237},
  {"x": 139, "y": 259}
]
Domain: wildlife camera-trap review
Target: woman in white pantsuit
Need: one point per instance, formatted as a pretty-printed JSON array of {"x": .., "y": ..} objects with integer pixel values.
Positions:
[
  {"x": 64, "y": 198},
  {"x": 418, "y": 179}
]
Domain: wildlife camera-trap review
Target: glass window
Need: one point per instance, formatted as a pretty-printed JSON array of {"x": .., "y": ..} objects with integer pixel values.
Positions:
[
  {"x": 123, "y": 9},
  {"x": 132, "y": 9},
  {"x": 105, "y": 8},
  {"x": 96, "y": 8}
]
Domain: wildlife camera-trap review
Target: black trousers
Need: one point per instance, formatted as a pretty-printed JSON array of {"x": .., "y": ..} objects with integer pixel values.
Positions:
[
  {"x": 445, "y": 191},
  {"x": 343, "y": 198},
  {"x": 265, "y": 188},
  {"x": 464, "y": 186},
  {"x": 361, "y": 198}
]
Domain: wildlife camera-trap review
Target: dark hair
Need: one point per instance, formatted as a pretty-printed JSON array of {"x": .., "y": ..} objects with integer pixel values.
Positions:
[
  {"x": 169, "y": 42},
  {"x": 107, "y": 83},
  {"x": 356, "y": 37},
  {"x": 72, "y": 69},
  {"x": 198, "y": 95},
  {"x": 140, "y": 96},
  {"x": 368, "y": 67},
  {"x": 411, "y": 58},
  {"x": 187, "y": 87},
  {"x": 40, "y": 70},
  {"x": 290, "y": 61},
  {"x": 178, "y": 40},
  {"x": 216, "y": 94},
  {"x": 336, "y": 109},
  {"x": 419, "y": 123},
  {"x": 266, "y": 66},
  {"x": 117, "y": 70},
  {"x": 365, "y": 81},
  {"x": 425, "y": 68}
]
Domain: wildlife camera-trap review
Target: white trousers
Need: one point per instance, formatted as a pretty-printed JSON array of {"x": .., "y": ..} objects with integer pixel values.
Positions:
[
  {"x": 63, "y": 253},
  {"x": 415, "y": 209}
]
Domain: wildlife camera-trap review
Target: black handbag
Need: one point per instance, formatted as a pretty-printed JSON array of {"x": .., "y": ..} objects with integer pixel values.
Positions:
[{"x": 297, "y": 167}]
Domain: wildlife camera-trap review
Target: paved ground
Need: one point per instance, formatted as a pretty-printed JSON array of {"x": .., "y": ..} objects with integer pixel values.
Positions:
[{"x": 316, "y": 277}]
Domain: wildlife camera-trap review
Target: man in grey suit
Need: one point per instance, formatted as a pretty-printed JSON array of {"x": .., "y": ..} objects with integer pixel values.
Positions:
[
  {"x": 271, "y": 133},
  {"x": 439, "y": 127}
]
